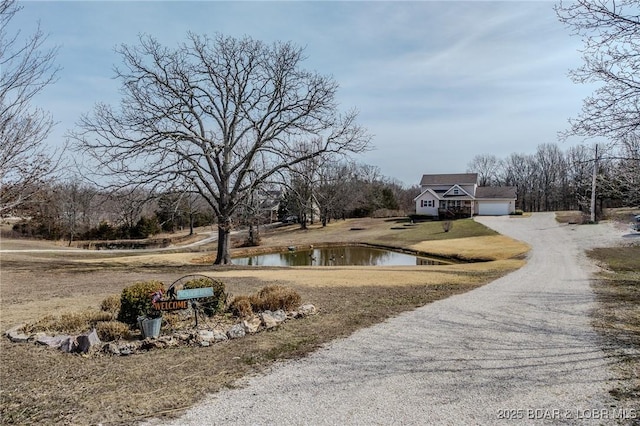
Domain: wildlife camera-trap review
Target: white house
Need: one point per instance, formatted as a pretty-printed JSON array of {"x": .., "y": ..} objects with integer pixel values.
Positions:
[{"x": 458, "y": 195}]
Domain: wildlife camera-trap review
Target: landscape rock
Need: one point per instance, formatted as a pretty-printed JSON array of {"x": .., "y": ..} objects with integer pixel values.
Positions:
[
  {"x": 168, "y": 341},
  {"x": 90, "y": 342},
  {"x": 273, "y": 319},
  {"x": 236, "y": 331},
  {"x": 251, "y": 325},
  {"x": 69, "y": 345},
  {"x": 111, "y": 348},
  {"x": 129, "y": 348},
  {"x": 219, "y": 335},
  {"x": 87, "y": 341},
  {"x": 184, "y": 336},
  {"x": 153, "y": 343},
  {"x": 52, "y": 341},
  {"x": 206, "y": 335},
  {"x": 15, "y": 335},
  {"x": 307, "y": 309}
]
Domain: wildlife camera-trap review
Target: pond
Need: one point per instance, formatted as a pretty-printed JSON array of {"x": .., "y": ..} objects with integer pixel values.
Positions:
[{"x": 338, "y": 256}]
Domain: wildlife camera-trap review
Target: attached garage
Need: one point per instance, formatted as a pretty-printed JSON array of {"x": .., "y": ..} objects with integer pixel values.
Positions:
[
  {"x": 493, "y": 208},
  {"x": 495, "y": 201}
]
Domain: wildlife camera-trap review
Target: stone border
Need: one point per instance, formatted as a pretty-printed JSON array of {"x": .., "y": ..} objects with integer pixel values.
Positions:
[{"x": 89, "y": 343}]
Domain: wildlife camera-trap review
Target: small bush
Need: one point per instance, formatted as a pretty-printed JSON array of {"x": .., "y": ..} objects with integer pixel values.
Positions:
[
  {"x": 241, "y": 307},
  {"x": 135, "y": 301},
  {"x": 74, "y": 322},
  {"x": 109, "y": 331},
  {"x": 111, "y": 304},
  {"x": 214, "y": 304},
  {"x": 276, "y": 297}
]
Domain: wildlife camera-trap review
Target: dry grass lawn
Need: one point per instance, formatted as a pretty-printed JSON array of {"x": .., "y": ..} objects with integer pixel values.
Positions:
[
  {"x": 44, "y": 386},
  {"x": 617, "y": 316}
]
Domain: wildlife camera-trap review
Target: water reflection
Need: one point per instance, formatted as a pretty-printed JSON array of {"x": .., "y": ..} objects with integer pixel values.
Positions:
[{"x": 337, "y": 256}]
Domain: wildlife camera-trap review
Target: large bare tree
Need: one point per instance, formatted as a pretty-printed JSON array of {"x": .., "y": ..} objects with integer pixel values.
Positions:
[
  {"x": 26, "y": 68},
  {"x": 610, "y": 30},
  {"x": 487, "y": 166},
  {"x": 223, "y": 113}
]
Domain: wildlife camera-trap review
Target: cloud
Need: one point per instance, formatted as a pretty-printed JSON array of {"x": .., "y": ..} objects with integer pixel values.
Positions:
[{"x": 447, "y": 80}]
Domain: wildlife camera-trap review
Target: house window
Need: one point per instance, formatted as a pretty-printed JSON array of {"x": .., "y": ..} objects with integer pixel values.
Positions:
[{"x": 456, "y": 192}]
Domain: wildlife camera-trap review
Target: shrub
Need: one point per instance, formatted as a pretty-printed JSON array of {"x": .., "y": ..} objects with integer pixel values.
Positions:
[
  {"x": 135, "y": 301},
  {"x": 111, "y": 304},
  {"x": 74, "y": 322},
  {"x": 276, "y": 297},
  {"x": 269, "y": 298},
  {"x": 112, "y": 330},
  {"x": 214, "y": 304},
  {"x": 241, "y": 307}
]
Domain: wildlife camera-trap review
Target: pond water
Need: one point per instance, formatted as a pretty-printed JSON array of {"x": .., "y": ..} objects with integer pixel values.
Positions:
[{"x": 337, "y": 256}]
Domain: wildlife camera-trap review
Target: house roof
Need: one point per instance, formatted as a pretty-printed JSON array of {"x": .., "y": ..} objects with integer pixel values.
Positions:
[
  {"x": 449, "y": 179},
  {"x": 507, "y": 192},
  {"x": 457, "y": 191}
]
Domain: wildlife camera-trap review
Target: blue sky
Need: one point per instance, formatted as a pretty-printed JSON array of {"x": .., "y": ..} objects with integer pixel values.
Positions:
[{"x": 435, "y": 82}]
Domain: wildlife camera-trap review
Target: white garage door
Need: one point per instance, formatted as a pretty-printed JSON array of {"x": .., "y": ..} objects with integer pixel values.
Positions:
[{"x": 495, "y": 208}]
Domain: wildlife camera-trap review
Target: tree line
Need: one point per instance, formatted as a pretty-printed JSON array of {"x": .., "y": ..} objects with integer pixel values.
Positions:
[
  {"x": 552, "y": 179},
  {"x": 75, "y": 209}
]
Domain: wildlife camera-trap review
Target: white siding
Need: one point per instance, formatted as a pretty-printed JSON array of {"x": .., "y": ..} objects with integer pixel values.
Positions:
[
  {"x": 427, "y": 205},
  {"x": 494, "y": 208}
]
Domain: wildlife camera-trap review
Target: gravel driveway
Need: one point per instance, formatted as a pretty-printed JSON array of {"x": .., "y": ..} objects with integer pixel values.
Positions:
[{"x": 518, "y": 350}]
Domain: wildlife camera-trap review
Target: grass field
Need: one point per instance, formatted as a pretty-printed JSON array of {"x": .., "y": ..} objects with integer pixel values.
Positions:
[
  {"x": 44, "y": 386},
  {"x": 617, "y": 317}
]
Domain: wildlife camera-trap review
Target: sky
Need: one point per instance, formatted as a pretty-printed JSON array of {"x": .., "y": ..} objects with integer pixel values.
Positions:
[{"x": 435, "y": 82}]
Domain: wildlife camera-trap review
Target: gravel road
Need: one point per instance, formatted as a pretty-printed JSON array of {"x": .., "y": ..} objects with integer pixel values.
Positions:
[{"x": 518, "y": 350}]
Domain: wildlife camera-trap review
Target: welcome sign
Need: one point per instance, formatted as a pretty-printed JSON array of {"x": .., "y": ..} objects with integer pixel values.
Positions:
[
  {"x": 170, "y": 305},
  {"x": 182, "y": 299}
]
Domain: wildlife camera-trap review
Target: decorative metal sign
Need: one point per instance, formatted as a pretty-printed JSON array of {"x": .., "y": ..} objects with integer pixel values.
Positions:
[
  {"x": 194, "y": 293},
  {"x": 170, "y": 305},
  {"x": 181, "y": 298}
]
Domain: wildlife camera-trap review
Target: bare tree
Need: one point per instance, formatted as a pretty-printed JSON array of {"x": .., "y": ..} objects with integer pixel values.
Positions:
[
  {"x": 26, "y": 68},
  {"x": 550, "y": 161},
  {"x": 579, "y": 170},
  {"x": 208, "y": 111},
  {"x": 331, "y": 191},
  {"x": 610, "y": 30},
  {"x": 300, "y": 188},
  {"x": 487, "y": 166},
  {"x": 76, "y": 206},
  {"x": 629, "y": 168},
  {"x": 519, "y": 170}
]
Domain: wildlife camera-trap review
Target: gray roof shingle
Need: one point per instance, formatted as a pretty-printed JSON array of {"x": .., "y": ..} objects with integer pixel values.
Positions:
[
  {"x": 496, "y": 192},
  {"x": 450, "y": 179}
]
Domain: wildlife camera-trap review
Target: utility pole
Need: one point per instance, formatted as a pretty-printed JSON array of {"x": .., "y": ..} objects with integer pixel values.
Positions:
[{"x": 593, "y": 187}]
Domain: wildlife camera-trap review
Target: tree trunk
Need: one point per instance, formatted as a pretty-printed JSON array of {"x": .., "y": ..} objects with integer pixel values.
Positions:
[{"x": 224, "y": 233}]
